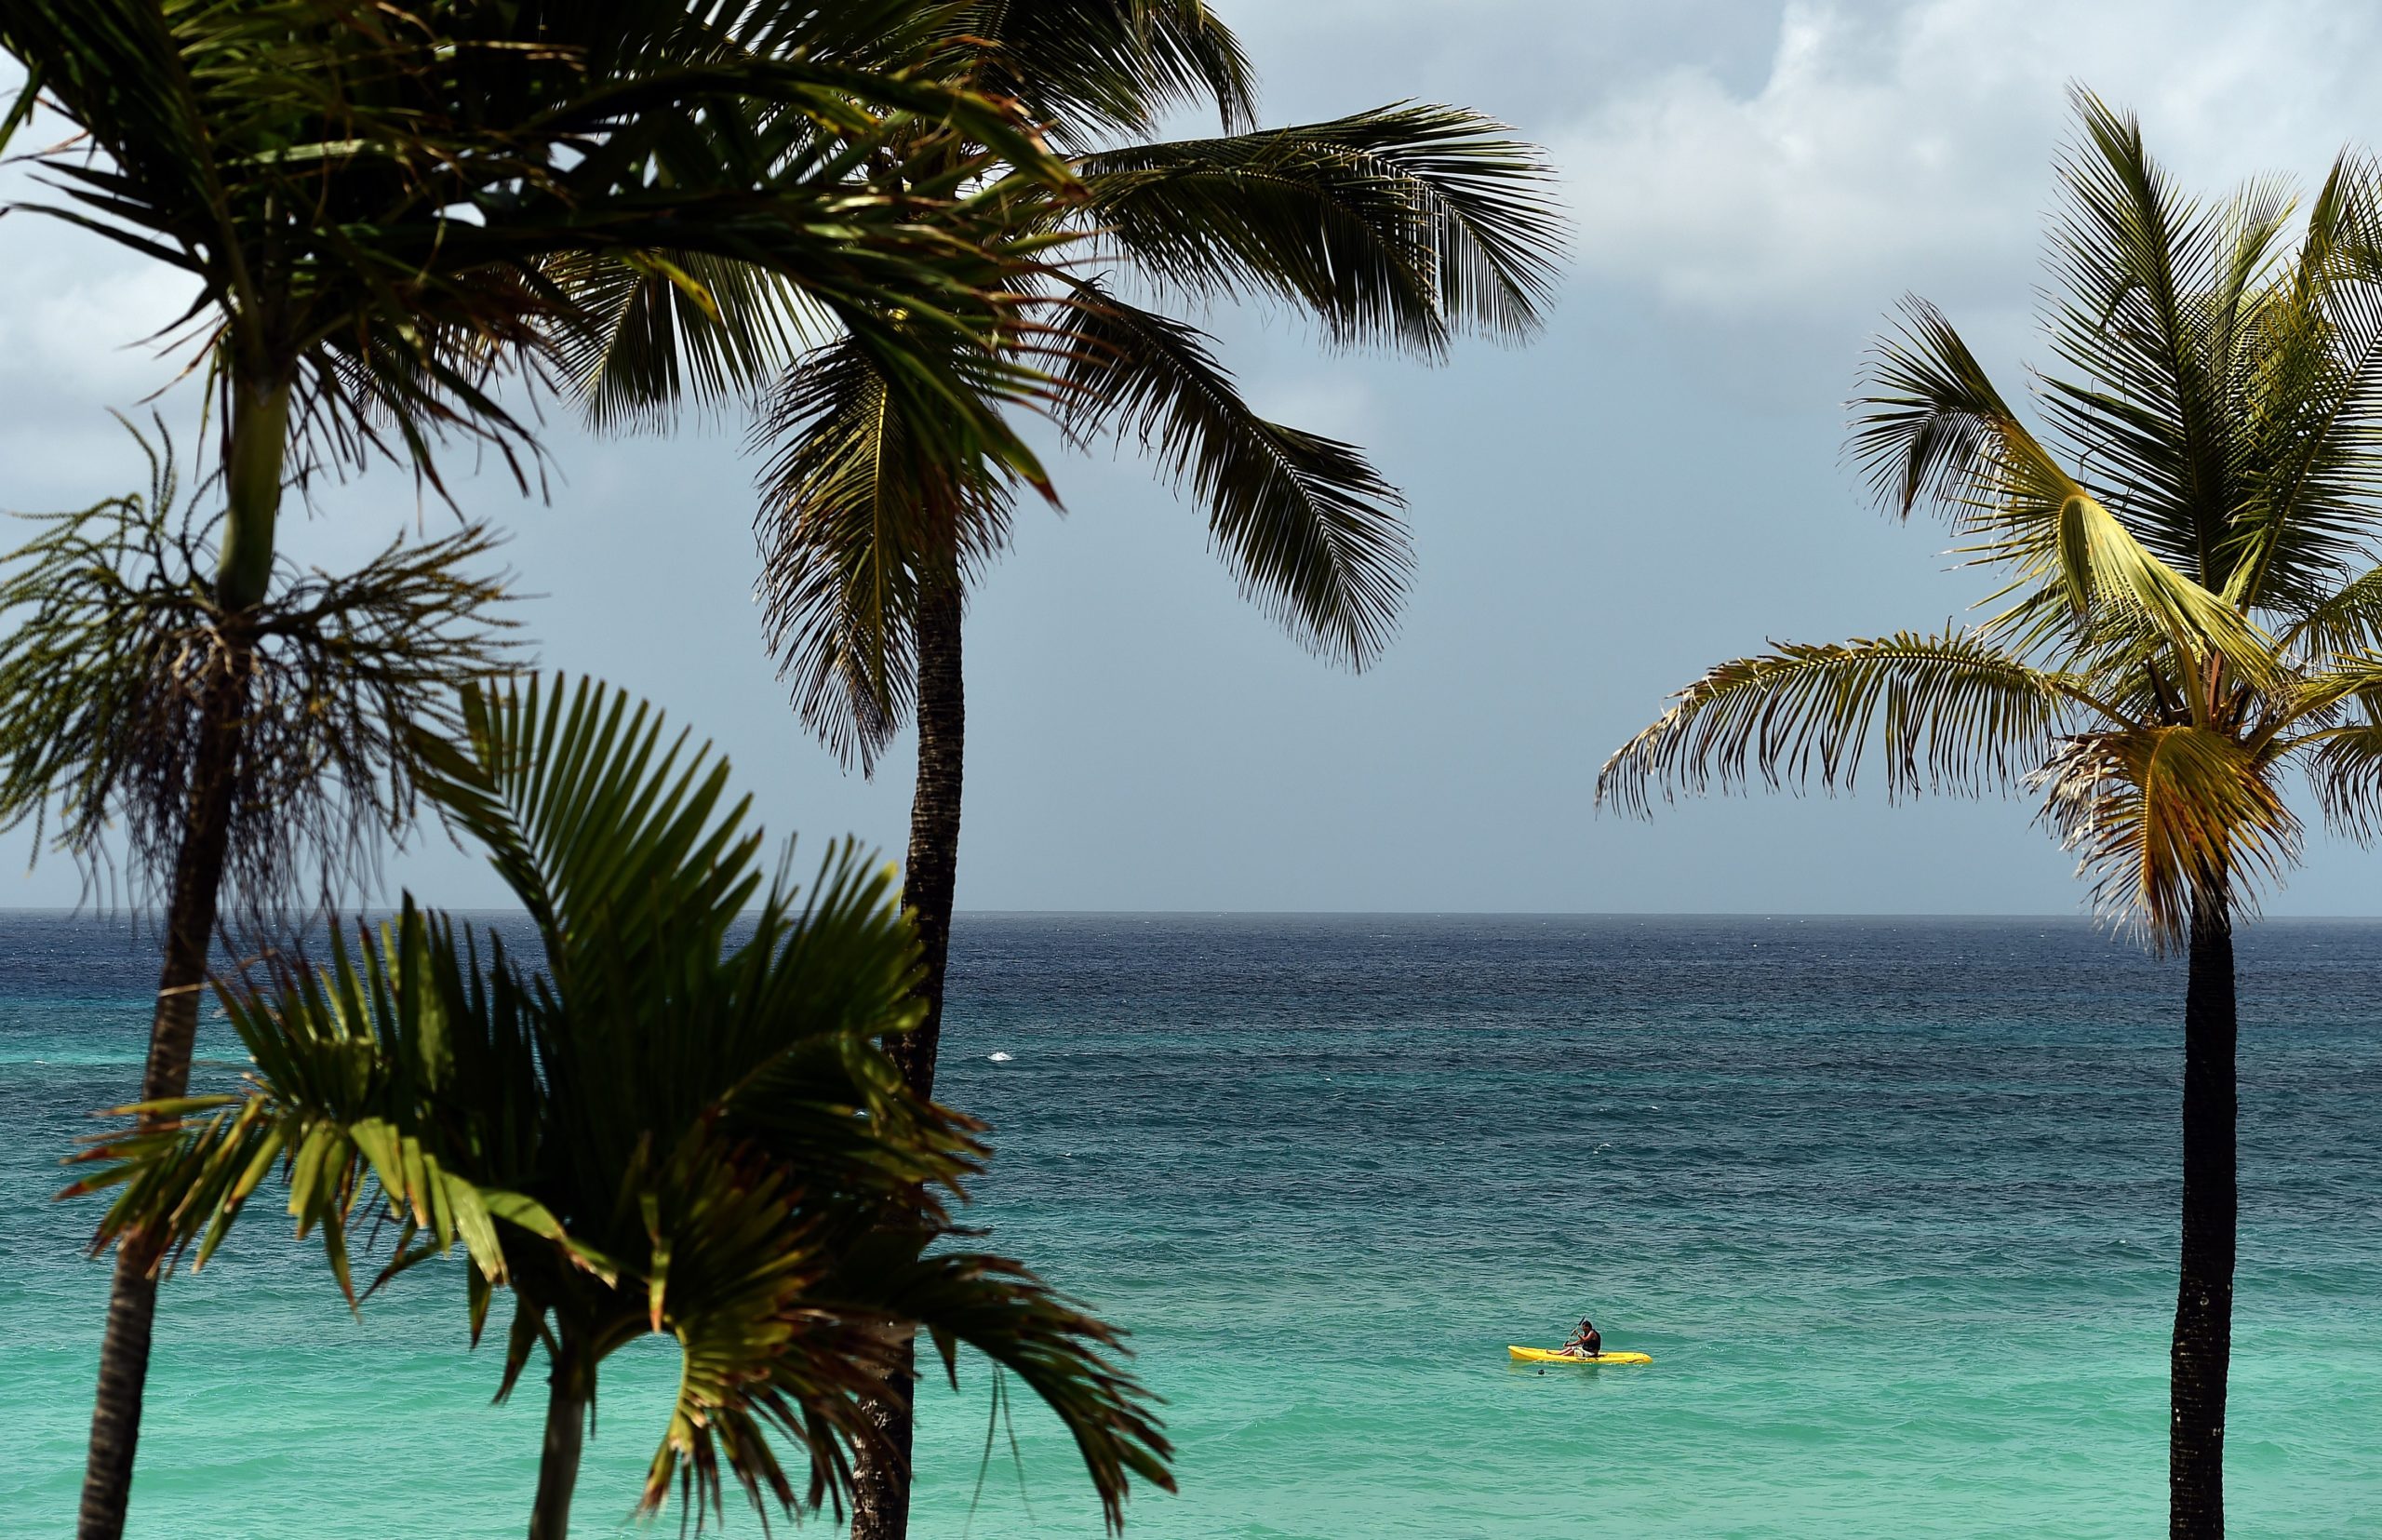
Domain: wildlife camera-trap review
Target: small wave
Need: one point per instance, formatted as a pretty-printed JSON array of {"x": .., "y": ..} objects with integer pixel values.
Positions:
[{"x": 999, "y": 1058}]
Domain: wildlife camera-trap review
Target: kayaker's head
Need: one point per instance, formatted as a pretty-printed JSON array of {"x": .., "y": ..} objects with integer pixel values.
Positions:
[{"x": 1586, "y": 1325}]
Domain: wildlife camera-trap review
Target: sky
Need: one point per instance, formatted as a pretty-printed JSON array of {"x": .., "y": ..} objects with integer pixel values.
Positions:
[{"x": 1655, "y": 484}]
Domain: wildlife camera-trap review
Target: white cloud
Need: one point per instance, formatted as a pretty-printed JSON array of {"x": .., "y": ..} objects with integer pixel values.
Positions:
[
  {"x": 73, "y": 341},
  {"x": 1908, "y": 146},
  {"x": 87, "y": 332}
]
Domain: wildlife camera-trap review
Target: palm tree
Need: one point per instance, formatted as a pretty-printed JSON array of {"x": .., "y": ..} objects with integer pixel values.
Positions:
[
  {"x": 371, "y": 201},
  {"x": 678, "y": 1120},
  {"x": 1400, "y": 226},
  {"x": 2187, "y": 610},
  {"x": 111, "y": 674},
  {"x": 1403, "y": 225}
]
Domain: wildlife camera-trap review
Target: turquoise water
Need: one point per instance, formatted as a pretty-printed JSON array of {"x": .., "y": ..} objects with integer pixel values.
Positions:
[{"x": 1888, "y": 1201}]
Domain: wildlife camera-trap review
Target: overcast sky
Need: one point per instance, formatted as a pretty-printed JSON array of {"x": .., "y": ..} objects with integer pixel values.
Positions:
[{"x": 1654, "y": 485}]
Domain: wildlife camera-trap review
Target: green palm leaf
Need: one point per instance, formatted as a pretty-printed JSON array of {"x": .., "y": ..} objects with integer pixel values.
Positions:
[
  {"x": 856, "y": 525},
  {"x": 1404, "y": 224},
  {"x": 675, "y": 1126},
  {"x": 1935, "y": 428},
  {"x": 2344, "y": 769},
  {"x": 2347, "y": 621},
  {"x": 1310, "y": 527},
  {"x": 2161, "y": 295},
  {"x": 371, "y": 199},
  {"x": 1951, "y": 712},
  {"x": 1092, "y": 68},
  {"x": 670, "y": 327}
]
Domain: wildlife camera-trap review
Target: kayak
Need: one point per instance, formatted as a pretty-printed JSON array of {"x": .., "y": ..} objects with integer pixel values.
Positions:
[{"x": 1548, "y": 1355}]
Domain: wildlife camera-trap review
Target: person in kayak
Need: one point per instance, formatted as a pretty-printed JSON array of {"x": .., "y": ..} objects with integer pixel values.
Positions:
[{"x": 1586, "y": 1343}]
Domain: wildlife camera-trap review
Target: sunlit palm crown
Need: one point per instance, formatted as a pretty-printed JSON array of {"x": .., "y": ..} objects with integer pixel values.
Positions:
[
  {"x": 2188, "y": 604},
  {"x": 676, "y": 1121},
  {"x": 1405, "y": 226}
]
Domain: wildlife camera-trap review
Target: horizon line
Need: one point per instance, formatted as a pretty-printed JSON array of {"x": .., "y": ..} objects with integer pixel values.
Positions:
[{"x": 112, "y": 912}]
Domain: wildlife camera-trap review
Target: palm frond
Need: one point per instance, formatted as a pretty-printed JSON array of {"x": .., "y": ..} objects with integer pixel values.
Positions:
[
  {"x": 856, "y": 527},
  {"x": 1930, "y": 428},
  {"x": 344, "y": 1059},
  {"x": 1096, "y": 68},
  {"x": 672, "y": 329},
  {"x": 2358, "y": 678},
  {"x": 600, "y": 821},
  {"x": 1405, "y": 224},
  {"x": 370, "y": 196},
  {"x": 1935, "y": 428},
  {"x": 757, "y": 1356},
  {"x": 2344, "y": 769},
  {"x": 664, "y": 1130},
  {"x": 116, "y": 641},
  {"x": 2160, "y": 295},
  {"x": 1951, "y": 711},
  {"x": 1310, "y": 527},
  {"x": 2345, "y": 622},
  {"x": 2310, "y": 406},
  {"x": 1062, "y": 1354},
  {"x": 2161, "y": 815}
]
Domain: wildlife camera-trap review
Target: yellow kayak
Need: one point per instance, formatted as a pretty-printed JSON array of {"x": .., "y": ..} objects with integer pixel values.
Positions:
[{"x": 1548, "y": 1355}]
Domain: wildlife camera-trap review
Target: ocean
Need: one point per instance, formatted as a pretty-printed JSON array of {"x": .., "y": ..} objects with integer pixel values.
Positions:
[{"x": 1891, "y": 1202}]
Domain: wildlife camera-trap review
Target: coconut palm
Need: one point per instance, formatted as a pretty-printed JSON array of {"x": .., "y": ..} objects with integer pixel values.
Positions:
[
  {"x": 370, "y": 202},
  {"x": 677, "y": 1119},
  {"x": 1400, "y": 226},
  {"x": 2187, "y": 611},
  {"x": 1403, "y": 225}
]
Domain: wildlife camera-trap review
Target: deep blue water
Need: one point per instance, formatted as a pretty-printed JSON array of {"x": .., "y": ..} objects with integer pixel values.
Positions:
[{"x": 1891, "y": 1202}]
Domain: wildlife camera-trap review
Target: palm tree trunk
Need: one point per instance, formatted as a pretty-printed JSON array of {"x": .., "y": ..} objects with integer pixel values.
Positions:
[
  {"x": 933, "y": 871},
  {"x": 252, "y": 466},
  {"x": 571, "y": 1388},
  {"x": 2203, "y": 1344},
  {"x": 190, "y": 924},
  {"x": 882, "y": 1476},
  {"x": 259, "y": 421}
]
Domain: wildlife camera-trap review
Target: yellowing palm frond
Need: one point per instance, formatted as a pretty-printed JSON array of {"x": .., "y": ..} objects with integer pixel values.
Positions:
[
  {"x": 2161, "y": 815},
  {"x": 2358, "y": 678}
]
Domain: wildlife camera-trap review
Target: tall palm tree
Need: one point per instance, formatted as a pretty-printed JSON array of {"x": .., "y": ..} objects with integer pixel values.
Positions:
[
  {"x": 677, "y": 1120},
  {"x": 1400, "y": 226},
  {"x": 1403, "y": 226},
  {"x": 2186, "y": 610},
  {"x": 111, "y": 678},
  {"x": 370, "y": 202}
]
